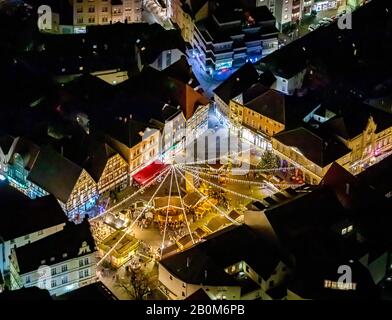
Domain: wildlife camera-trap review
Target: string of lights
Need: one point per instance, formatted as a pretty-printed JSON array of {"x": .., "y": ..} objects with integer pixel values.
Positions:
[
  {"x": 132, "y": 195},
  {"x": 222, "y": 188},
  {"x": 247, "y": 182},
  {"x": 134, "y": 222},
  {"x": 208, "y": 201},
  {"x": 183, "y": 207},
  {"x": 167, "y": 210}
]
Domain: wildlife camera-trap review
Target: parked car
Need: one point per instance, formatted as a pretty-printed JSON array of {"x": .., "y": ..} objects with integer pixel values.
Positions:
[{"x": 312, "y": 27}]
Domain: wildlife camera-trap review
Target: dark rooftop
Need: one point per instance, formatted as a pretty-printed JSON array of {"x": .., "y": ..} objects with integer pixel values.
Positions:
[
  {"x": 316, "y": 147},
  {"x": 50, "y": 168},
  {"x": 240, "y": 80},
  {"x": 25, "y": 216},
  {"x": 96, "y": 291},
  {"x": 61, "y": 246},
  {"x": 208, "y": 259}
]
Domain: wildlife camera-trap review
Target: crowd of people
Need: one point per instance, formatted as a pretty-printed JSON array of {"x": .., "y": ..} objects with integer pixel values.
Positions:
[{"x": 100, "y": 230}]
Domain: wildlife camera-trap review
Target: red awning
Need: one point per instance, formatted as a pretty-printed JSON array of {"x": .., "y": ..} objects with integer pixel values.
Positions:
[{"x": 148, "y": 173}]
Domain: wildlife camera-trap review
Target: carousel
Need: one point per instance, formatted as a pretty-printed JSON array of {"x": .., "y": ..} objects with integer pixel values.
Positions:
[{"x": 168, "y": 208}]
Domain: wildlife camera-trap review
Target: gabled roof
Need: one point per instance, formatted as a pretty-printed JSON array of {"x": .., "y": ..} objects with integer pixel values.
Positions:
[
  {"x": 374, "y": 176},
  {"x": 6, "y": 142},
  {"x": 182, "y": 71},
  {"x": 200, "y": 295},
  {"x": 55, "y": 174},
  {"x": 62, "y": 246},
  {"x": 27, "y": 150},
  {"x": 317, "y": 210},
  {"x": 270, "y": 104},
  {"x": 127, "y": 131},
  {"x": 152, "y": 45},
  {"x": 316, "y": 148},
  {"x": 23, "y": 216},
  {"x": 240, "y": 80},
  {"x": 88, "y": 152}
]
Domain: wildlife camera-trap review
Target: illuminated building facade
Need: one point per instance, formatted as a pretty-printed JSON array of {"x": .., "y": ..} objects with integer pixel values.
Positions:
[
  {"x": 33, "y": 220},
  {"x": 16, "y": 161},
  {"x": 230, "y": 38},
  {"x": 311, "y": 153},
  {"x": 77, "y": 191},
  {"x": 60, "y": 263},
  {"x": 186, "y": 13},
  {"x": 114, "y": 175},
  {"x": 136, "y": 142},
  {"x": 353, "y": 151},
  {"x": 258, "y": 114},
  {"x": 101, "y": 12}
]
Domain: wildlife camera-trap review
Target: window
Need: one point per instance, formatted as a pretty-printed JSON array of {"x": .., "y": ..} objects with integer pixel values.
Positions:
[
  {"x": 64, "y": 268},
  {"x": 28, "y": 279},
  {"x": 53, "y": 283},
  {"x": 183, "y": 294},
  {"x": 80, "y": 20},
  {"x": 81, "y": 263},
  {"x": 79, "y": 10},
  {"x": 171, "y": 278},
  {"x": 27, "y": 237},
  {"x": 86, "y": 273},
  {"x": 91, "y": 20},
  {"x": 86, "y": 262},
  {"x": 64, "y": 280},
  {"x": 105, "y": 9},
  {"x": 54, "y": 271},
  {"x": 91, "y": 9},
  {"x": 80, "y": 274}
]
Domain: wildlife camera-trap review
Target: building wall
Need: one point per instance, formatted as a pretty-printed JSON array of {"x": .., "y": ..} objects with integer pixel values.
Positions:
[
  {"x": 145, "y": 152},
  {"x": 114, "y": 174},
  {"x": 83, "y": 196},
  {"x": 288, "y": 86},
  {"x": 62, "y": 277},
  {"x": 185, "y": 22},
  {"x": 166, "y": 59},
  {"x": 313, "y": 174},
  {"x": 197, "y": 124},
  {"x": 241, "y": 115},
  {"x": 222, "y": 106},
  {"x": 96, "y": 12},
  {"x": 176, "y": 289},
  {"x": 6, "y": 246}
]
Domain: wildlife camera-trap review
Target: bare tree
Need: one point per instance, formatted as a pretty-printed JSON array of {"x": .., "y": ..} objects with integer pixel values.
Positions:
[{"x": 136, "y": 283}]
